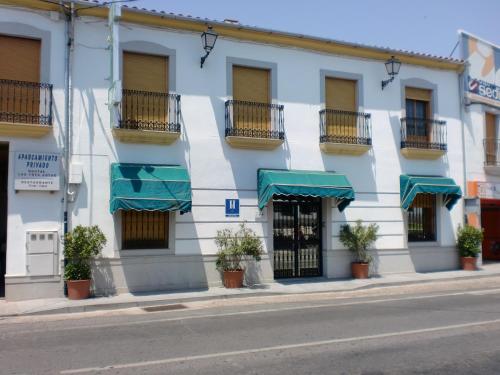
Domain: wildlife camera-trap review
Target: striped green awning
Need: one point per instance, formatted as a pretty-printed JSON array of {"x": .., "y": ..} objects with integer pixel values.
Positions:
[
  {"x": 412, "y": 185},
  {"x": 148, "y": 187},
  {"x": 273, "y": 182}
]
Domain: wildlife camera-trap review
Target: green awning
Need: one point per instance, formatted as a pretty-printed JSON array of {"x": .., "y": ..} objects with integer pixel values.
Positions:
[
  {"x": 273, "y": 182},
  {"x": 412, "y": 185},
  {"x": 148, "y": 187}
]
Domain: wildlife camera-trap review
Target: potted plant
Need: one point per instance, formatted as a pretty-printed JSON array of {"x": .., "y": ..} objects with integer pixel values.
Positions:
[
  {"x": 358, "y": 239},
  {"x": 469, "y": 241},
  {"x": 80, "y": 246},
  {"x": 233, "y": 249}
]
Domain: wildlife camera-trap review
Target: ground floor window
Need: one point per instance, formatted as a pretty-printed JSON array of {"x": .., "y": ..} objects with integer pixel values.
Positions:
[
  {"x": 145, "y": 230},
  {"x": 422, "y": 219}
]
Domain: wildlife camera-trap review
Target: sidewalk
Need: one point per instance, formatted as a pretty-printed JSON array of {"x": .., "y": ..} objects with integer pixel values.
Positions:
[{"x": 319, "y": 285}]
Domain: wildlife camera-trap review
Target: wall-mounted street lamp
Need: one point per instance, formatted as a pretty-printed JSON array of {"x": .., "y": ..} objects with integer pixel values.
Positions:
[
  {"x": 392, "y": 66},
  {"x": 208, "y": 39}
]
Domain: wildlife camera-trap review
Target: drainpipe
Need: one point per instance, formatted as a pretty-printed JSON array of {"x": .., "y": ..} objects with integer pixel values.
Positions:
[
  {"x": 115, "y": 87},
  {"x": 462, "y": 103},
  {"x": 68, "y": 103}
]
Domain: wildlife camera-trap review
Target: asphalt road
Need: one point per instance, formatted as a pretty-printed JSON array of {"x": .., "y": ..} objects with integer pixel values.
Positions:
[{"x": 437, "y": 333}]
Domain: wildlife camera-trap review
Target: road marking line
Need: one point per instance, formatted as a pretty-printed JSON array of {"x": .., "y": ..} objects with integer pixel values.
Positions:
[
  {"x": 248, "y": 312},
  {"x": 275, "y": 348}
]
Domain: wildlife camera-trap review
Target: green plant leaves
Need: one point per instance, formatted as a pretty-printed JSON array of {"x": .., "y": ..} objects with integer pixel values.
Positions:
[
  {"x": 234, "y": 247},
  {"x": 80, "y": 246},
  {"x": 358, "y": 238},
  {"x": 469, "y": 240}
]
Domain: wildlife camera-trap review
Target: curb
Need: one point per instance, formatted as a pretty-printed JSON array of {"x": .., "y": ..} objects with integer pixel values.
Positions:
[{"x": 166, "y": 302}]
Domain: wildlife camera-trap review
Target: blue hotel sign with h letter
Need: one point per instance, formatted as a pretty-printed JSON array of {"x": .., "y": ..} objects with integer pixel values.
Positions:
[{"x": 232, "y": 207}]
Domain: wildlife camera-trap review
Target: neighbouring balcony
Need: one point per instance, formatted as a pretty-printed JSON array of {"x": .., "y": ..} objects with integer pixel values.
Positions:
[
  {"x": 344, "y": 132},
  {"x": 492, "y": 156},
  {"x": 423, "y": 138},
  {"x": 254, "y": 125},
  {"x": 25, "y": 108},
  {"x": 148, "y": 117}
]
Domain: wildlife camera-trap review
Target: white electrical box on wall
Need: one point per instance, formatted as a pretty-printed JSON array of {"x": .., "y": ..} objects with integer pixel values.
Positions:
[
  {"x": 42, "y": 253},
  {"x": 76, "y": 173}
]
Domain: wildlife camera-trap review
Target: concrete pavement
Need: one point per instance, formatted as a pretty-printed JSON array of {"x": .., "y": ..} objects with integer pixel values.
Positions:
[
  {"x": 413, "y": 333},
  {"x": 285, "y": 287}
]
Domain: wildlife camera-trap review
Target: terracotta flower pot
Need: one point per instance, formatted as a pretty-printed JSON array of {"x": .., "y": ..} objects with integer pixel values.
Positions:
[
  {"x": 78, "y": 289},
  {"x": 359, "y": 270},
  {"x": 468, "y": 263},
  {"x": 233, "y": 279}
]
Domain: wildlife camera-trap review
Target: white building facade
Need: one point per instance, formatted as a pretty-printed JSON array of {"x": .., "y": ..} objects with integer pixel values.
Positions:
[
  {"x": 263, "y": 101},
  {"x": 481, "y": 113}
]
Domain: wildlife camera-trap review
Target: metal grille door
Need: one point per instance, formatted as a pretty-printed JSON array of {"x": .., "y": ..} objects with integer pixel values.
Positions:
[{"x": 297, "y": 238}]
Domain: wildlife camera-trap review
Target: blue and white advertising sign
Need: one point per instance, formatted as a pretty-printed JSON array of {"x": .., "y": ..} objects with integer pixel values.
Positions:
[
  {"x": 232, "y": 207},
  {"x": 37, "y": 171},
  {"x": 482, "y": 81}
]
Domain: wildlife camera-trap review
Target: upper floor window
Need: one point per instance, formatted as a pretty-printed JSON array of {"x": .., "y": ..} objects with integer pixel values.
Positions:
[
  {"x": 491, "y": 141},
  {"x": 146, "y": 102},
  {"x": 418, "y": 111},
  {"x": 23, "y": 98},
  {"x": 252, "y": 120}
]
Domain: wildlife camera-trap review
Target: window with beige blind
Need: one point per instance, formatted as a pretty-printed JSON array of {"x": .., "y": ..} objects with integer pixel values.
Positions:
[
  {"x": 422, "y": 218},
  {"x": 251, "y": 98},
  {"x": 145, "y": 88},
  {"x": 20, "y": 75},
  {"x": 145, "y": 230},
  {"x": 418, "y": 114},
  {"x": 491, "y": 142},
  {"x": 341, "y": 107}
]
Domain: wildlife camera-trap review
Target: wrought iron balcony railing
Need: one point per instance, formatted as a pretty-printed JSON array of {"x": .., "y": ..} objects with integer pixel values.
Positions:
[
  {"x": 423, "y": 133},
  {"x": 256, "y": 120},
  {"x": 25, "y": 102},
  {"x": 346, "y": 127},
  {"x": 491, "y": 152},
  {"x": 156, "y": 111}
]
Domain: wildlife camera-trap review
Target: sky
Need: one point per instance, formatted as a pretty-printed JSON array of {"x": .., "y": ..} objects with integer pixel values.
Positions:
[{"x": 427, "y": 26}]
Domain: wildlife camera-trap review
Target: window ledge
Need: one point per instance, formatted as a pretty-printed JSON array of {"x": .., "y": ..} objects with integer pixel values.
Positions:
[
  {"x": 134, "y": 253},
  {"x": 254, "y": 143},
  {"x": 423, "y": 244},
  {"x": 344, "y": 148},
  {"x": 24, "y": 130},
  {"x": 493, "y": 170},
  {"x": 422, "y": 153},
  {"x": 146, "y": 136}
]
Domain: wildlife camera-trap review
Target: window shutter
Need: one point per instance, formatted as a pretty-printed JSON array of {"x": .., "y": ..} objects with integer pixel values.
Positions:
[
  {"x": 145, "y": 72},
  {"x": 20, "y": 59},
  {"x": 340, "y": 94},
  {"x": 418, "y": 94},
  {"x": 251, "y": 84}
]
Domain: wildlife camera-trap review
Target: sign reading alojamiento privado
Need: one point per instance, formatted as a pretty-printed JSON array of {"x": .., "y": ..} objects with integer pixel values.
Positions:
[{"x": 37, "y": 171}]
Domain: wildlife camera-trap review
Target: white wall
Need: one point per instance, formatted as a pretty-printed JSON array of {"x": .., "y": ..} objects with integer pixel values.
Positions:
[{"x": 35, "y": 210}]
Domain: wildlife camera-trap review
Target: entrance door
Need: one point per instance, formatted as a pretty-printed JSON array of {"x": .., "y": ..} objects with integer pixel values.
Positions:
[
  {"x": 297, "y": 238},
  {"x": 4, "y": 173},
  {"x": 490, "y": 217}
]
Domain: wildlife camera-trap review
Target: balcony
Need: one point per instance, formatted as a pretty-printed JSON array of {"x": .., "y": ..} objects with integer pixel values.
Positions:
[
  {"x": 254, "y": 125},
  {"x": 492, "y": 156},
  {"x": 344, "y": 132},
  {"x": 148, "y": 117},
  {"x": 423, "y": 138},
  {"x": 25, "y": 109}
]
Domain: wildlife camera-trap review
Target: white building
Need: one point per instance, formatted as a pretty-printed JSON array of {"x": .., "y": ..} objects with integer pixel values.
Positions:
[
  {"x": 210, "y": 125},
  {"x": 481, "y": 113}
]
